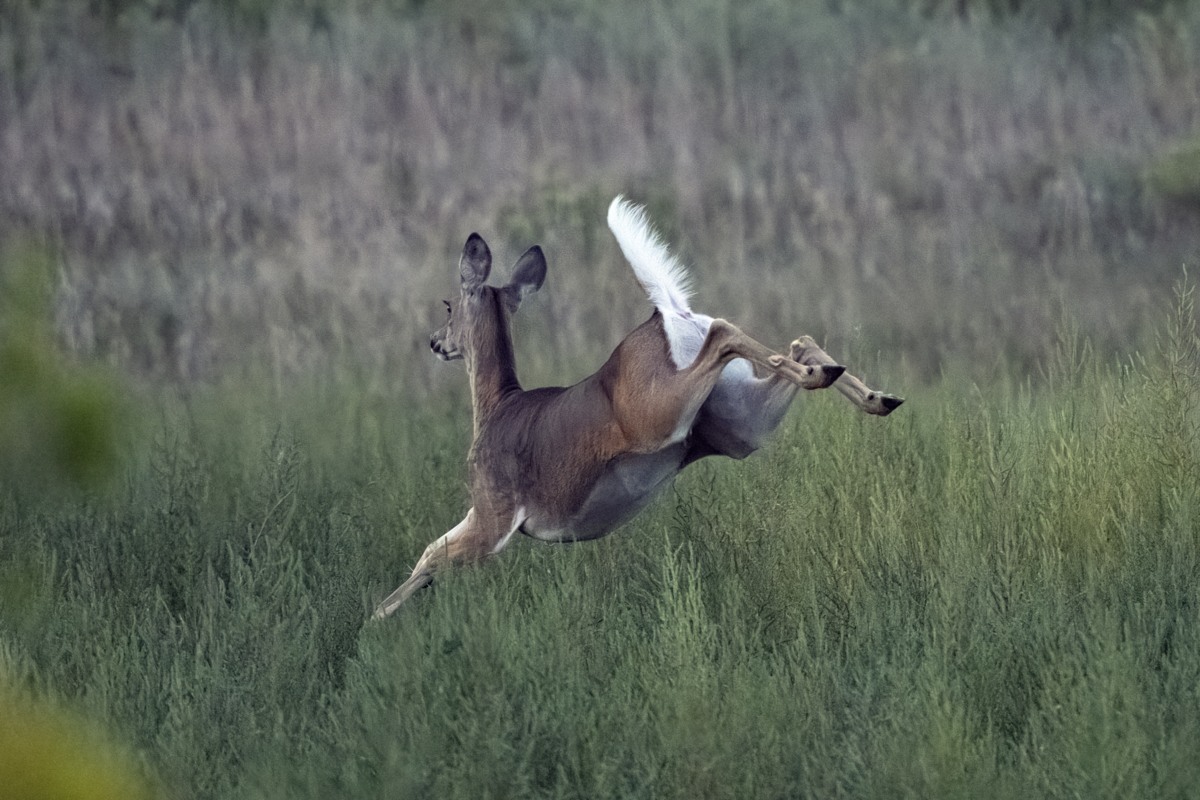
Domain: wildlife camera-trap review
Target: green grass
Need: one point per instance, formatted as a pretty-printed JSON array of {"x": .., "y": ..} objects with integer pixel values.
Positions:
[{"x": 991, "y": 593}]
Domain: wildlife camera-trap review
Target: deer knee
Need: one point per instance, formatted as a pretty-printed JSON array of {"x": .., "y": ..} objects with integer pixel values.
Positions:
[{"x": 722, "y": 342}]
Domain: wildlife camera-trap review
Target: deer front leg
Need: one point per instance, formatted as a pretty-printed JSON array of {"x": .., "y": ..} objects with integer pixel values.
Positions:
[
  {"x": 467, "y": 542},
  {"x": 806, "y": 351}
]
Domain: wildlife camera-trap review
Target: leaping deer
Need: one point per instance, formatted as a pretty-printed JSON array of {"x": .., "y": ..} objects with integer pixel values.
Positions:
[{"x": 574, "y": 463}]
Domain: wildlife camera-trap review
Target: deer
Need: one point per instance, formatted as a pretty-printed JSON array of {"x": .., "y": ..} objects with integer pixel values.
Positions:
[{"x": 563, "y": 464}]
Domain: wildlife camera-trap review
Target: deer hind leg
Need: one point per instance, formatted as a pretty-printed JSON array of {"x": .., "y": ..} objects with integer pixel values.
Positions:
[
  {"x": 467, "y": 542},
  {"x": 740, "y": 413},
  {"x": 744, "y": 409},
  {"x": 656, "y": 404},
  {"x": 727, "y": 410},
  {"x": 806, "y": 351},
  {"x": 725, "y": 341}
]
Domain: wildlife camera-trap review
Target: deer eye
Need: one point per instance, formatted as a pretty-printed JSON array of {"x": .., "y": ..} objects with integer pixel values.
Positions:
[{"x": 447, "y": 304}]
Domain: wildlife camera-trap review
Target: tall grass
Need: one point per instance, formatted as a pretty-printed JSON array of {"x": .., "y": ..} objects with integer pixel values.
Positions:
[
  {"x": 990, "y": 593},
  {"x": 234, "y": 181},
  {"x": 255, "y": 206}
]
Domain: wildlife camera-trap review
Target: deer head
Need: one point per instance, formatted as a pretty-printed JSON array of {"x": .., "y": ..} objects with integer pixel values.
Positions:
[{"x": 481, "y": 312}]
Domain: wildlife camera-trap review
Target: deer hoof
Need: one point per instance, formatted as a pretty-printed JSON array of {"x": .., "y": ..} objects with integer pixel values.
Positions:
[
  {"x": 830, "y": 373},
  {"x": 819, "y": 376},
  {"x": 882, "y": 404},
  {"x": 807, "y": 376}
]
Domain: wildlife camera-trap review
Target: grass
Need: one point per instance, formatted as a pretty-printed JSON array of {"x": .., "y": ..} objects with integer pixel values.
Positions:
[
  {"x": 987, "y": 594},
  {"x": 251, "y": 208},
  {"x": 243, "y": 182}
]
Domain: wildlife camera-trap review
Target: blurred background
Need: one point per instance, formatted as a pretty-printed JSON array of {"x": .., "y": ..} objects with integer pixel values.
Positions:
[
  {"x": 283, "y": 186},
  {"x": 225, "y": 230}
]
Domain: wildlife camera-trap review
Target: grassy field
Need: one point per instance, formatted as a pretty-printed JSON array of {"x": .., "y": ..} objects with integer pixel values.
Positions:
[
  {"x": 284, "y": 183},
  {"x": 225, "y": 226},
  {"x": 989, "y": 594}
]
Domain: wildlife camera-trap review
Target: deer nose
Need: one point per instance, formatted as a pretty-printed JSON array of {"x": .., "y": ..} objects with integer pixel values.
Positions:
[{"x": 433, "y": 344}]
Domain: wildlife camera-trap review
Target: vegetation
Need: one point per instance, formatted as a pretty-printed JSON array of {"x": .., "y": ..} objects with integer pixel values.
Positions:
[
  {"x": 222, "y": 439},
  {"x": 58, "y": 420},
  {"x": 290, "y": 194},
  {"x": 989, "y": 594}
]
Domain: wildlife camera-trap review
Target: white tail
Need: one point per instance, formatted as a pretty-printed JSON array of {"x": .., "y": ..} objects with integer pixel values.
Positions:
[
  {"x": 569, "y": 463},
  {"x": 665, "y": 280}
]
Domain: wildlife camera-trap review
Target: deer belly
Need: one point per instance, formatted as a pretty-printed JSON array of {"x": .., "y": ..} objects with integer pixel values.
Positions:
[{"x": 622, "y": 489}]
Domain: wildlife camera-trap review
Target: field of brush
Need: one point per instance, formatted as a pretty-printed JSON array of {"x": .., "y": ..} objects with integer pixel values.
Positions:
[
  {"x": 225, "y": 230},
  {"x": 991, "y": 593}
]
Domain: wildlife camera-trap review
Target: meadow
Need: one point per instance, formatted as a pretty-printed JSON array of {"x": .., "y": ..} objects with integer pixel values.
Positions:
[
  {"x": 990, "y": 594},
  {"x": 226, "y": 226}
]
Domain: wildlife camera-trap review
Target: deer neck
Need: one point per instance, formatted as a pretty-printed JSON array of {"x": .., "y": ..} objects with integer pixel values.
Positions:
[{"x": 493, "y": 369}]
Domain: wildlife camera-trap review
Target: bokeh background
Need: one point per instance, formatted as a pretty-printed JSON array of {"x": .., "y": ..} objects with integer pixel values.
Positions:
[{"x": 285, "y": 185}]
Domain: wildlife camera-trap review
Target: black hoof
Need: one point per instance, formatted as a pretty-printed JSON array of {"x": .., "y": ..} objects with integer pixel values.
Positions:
[{"x": 832, "y": 373}]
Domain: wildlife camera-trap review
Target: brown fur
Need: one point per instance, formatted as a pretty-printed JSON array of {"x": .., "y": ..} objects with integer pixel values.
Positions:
[{"x": 575, "y": 462}]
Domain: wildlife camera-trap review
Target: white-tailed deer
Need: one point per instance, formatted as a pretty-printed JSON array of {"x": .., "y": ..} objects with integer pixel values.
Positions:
[{"x": 573, "y": 463}]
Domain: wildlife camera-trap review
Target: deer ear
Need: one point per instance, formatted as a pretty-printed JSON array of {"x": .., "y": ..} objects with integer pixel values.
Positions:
[
  {"x": 528, "y": 276},
  {"x": 476, "y": 262}
]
